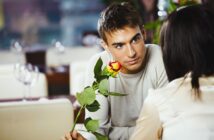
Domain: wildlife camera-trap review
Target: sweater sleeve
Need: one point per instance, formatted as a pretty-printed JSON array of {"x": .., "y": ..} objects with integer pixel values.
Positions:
[
  {"x": 120, "y": 133},
  {"x": 160, "y": 78}
]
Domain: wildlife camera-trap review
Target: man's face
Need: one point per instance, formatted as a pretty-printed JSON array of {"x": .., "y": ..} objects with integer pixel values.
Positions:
[{"x": 127, "y": 46}]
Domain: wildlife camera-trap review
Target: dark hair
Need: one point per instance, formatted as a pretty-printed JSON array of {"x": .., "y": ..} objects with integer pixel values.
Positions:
[
  {"x": 117, "y": 16},
  {"x": 187, "y": 42}
]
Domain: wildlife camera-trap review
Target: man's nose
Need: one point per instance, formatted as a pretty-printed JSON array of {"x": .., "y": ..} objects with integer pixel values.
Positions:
[{"x": 131, "y": 51}]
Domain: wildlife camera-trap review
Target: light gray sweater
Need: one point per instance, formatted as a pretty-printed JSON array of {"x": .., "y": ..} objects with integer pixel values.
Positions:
[{"x": 118, "y": 115}]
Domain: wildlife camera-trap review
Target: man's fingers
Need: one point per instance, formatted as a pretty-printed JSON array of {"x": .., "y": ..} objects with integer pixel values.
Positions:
[
  {"x": 74, "y": 134},
  {"x": 77, "y": 135},
  {"x": 68, "y": 136},
  {"x": 80, "y": 137}
]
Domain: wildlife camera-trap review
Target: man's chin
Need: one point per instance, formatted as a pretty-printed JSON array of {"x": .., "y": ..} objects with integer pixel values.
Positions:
[{"x": 131, "y": 69}]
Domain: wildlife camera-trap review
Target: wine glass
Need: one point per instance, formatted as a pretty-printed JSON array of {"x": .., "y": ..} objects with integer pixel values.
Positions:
[
  {"x": 60, "y": 50},
  {"x": 28, "y": 75},
  {"x": 17, "y": 49}
]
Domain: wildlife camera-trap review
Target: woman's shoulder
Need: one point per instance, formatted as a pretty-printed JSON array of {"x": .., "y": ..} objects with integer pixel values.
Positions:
[{"x": 161, "y": 95}]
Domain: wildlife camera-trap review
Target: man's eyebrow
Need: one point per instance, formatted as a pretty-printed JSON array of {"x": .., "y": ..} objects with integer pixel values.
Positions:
[
  {"x": 137, "y": 34},
  {"x": 117, "y": 43},
  {"x": 120, "y": 43}
]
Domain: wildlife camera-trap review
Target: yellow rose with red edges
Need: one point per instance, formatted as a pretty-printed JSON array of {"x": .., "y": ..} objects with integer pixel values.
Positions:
[{"x": 113, "y": 68}]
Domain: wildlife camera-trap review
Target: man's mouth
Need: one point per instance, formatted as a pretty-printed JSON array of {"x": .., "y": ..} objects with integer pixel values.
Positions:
[{"x": 133, "y": 61}]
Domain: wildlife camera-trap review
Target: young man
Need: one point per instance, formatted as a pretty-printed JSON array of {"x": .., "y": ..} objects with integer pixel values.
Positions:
[{"x": 121, "y": 30}]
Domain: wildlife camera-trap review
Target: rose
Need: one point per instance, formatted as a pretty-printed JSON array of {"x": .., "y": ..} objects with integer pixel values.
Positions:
[
  {"x": 87, "y": 98},
  {"x": 113, "y": 68}
]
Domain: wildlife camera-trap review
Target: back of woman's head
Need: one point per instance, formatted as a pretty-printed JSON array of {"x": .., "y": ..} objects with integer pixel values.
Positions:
[{"x": 187, "y": 40}]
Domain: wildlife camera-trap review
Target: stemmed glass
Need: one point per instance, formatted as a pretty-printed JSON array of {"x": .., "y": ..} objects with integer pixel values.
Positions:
[
  {"x": 28, "y": 75},
  {"x": 17, "y": 49},
  {"x": 60, "y": 50}
]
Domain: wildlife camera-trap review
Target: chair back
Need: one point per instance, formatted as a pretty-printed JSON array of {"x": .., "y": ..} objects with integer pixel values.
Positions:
[
  {"x": 35, "y": 120},
  {"x": 11, "y": 88},
  {"x": 77, "y": 76}
]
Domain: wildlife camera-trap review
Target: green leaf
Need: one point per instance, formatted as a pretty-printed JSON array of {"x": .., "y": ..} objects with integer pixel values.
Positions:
[
  {"x": 98, "y": 72},
  {"x": 87, "y": 97},
  {"x": 91, "y": 125},
  {"x": 93, "y": 107},
  {"x": 100, "y": 136},
  {"x": 153, "y": 25},
  {"x": 105, "y": 71},
  {"x": 98, "y": 69},
  {"x": 172, "y": 6},
  {"x": 103, "y": 86},
  {"x": 103, "y": 77},
  {"x": 95, "y": 85}
]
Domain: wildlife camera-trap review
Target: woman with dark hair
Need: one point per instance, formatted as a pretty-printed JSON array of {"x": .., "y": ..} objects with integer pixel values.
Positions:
[{"x": 184, "y": 109}]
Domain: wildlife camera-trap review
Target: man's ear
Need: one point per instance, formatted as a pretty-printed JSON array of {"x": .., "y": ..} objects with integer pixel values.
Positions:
[
  {"x": 143, "y": 31},
  {"x": 104, "y": 45}
]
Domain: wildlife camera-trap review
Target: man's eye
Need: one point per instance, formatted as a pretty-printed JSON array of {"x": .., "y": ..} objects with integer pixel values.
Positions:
[
  {"x": 118, "y": 46},
  {"x": 136, "y": 39}
]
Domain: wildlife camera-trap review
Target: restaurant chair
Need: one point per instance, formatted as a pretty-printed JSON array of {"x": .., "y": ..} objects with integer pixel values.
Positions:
[
  {"x": 77, "y": 76},
  {"x": 9, "y": 57},
  {"x": 70, "y": 55},
  {"x": 35, "y": 120},
  {"x": 11, "y": 88}
]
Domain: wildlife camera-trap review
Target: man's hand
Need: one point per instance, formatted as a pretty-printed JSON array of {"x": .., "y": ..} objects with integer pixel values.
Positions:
[{"x": 73, "y": 136}]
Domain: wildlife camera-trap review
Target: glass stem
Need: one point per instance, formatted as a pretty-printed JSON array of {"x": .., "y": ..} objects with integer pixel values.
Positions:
[
  {"x": 29, "y": 92},
  {"x": 25, "y": 93}
]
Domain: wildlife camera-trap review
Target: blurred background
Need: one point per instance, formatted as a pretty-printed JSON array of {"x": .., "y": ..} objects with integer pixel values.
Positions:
[
  {"x": 60, "y": 36},
  {"x": 43, "y": 22},
  {"x": 45, "y": 46}
]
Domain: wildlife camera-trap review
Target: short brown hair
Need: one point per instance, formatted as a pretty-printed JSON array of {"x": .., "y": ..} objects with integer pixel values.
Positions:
[{"x": 116, "y": 16}]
